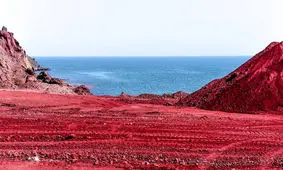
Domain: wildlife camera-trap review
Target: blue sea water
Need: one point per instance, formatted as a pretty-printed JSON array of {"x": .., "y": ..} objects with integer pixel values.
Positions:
[{"x": 136, "y": 75}]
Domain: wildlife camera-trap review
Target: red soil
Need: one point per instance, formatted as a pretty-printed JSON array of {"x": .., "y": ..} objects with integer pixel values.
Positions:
[
  {"x": 63, "y": 131},
  {"x": 255, "y": 86}
]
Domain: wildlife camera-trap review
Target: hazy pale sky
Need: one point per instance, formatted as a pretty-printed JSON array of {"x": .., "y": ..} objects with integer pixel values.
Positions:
[{"x": 143, "y": 27}]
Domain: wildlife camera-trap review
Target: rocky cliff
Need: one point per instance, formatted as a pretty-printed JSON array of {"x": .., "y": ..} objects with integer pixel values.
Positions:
[
  {"x": 19, "y": 71},
  {"x": 255, "y": 86}
]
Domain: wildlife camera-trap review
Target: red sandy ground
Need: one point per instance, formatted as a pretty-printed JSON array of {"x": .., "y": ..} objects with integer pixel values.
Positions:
[{"x": 75, "y": 132}]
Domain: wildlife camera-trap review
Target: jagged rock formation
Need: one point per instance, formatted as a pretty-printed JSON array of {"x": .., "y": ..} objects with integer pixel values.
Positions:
[
  {"x": 255, "y": 86},
  {"x": 18, "y": 70}
]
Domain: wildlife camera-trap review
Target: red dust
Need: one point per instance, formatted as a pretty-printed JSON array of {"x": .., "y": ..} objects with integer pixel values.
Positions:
[{"x": 83, "y": 132}]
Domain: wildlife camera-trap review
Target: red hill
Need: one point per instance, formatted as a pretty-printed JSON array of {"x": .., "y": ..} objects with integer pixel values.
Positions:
[{"x": 255, "y": 86}]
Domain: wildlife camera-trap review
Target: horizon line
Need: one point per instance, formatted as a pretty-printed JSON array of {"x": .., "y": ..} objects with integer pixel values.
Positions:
[{"x": 145, "y": 56}]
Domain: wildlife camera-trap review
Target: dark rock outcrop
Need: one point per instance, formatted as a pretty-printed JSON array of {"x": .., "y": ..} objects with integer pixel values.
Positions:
[
  {"x": 82, "y": 90},
  {"x": 178, "y": 95},
  {"x": 44, "y": 77},
  {"x": 58, "y": 81},
  {"x": 4, "y": 28},
  {"x": 18, "y": 70},
  {"x": 255, "y": 86},
  {"x": 165, "y": 99}
]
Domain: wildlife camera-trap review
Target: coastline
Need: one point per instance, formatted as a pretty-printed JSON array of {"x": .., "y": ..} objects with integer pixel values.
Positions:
[{"x": 41, "y": 128}]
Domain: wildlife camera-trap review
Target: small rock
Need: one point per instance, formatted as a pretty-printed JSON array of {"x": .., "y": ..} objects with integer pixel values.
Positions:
[
  {"x": 123, "y": 94},
  {"x": 30, "y": 71},
  {"x": 36, "y": 159},
  {"x": 57, "y": 81},
  {"x": 156, "y": 165},
  {"x": 82, "y": 90},
  {"x": 44, "y": 76},
  {"x": 145, "y": 163},
  {"x": 182, "y": 162},
  {"x": 4, "y": 29},
  {"x": 31, "y": 78},
  {"x": 96, "y": 162}
]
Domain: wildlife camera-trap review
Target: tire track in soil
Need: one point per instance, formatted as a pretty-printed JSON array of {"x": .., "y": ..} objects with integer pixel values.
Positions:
[{"x": 108, "y": 133}]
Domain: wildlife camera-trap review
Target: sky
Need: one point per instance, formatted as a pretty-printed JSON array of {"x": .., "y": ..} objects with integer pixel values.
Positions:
[{"x": 143, "y": 27}]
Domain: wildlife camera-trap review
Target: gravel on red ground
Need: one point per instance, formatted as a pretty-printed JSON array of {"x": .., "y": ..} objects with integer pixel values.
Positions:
[{"x": 87, "y": 132}]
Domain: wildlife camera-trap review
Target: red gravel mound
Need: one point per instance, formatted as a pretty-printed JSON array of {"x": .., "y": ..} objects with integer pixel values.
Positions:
[{"x": 255, "y": 86}]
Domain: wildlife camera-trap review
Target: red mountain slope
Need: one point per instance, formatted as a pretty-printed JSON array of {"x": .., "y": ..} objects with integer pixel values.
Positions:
[{"x": 255, "y": 86}]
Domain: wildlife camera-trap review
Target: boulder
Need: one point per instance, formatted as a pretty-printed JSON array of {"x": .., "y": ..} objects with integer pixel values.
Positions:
[
  {"x": 31, "y": 78},
  {"x": 30, "y": 71},
  {"x": 44, "y": 77},
  {"x": 82, "y": 90},
  {"x": 57, "y": 81},
  {"x": 4, "y": 29}
]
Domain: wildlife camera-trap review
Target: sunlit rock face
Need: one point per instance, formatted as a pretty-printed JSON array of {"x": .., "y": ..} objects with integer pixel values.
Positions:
[{"x": 18, "y": 70}]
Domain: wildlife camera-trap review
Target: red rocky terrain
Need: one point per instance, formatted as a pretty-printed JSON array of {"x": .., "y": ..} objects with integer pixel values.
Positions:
[
  {"x": 85, "y": 132},
  {"x": 18, "y": 70},
  {"x": 255, "y": 86}
]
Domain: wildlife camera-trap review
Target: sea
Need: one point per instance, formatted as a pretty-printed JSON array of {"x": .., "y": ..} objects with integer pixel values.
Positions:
[{"x": 138, "y": 75}]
